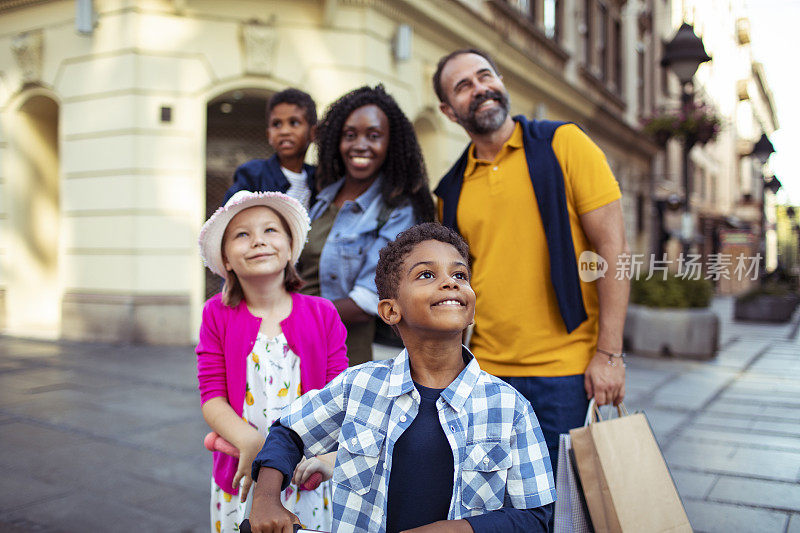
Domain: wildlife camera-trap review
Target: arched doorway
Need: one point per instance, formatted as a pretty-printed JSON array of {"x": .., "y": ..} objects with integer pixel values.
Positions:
[
  {"x": 32, "y": 171},
  {"x": 236, "y": 132}
]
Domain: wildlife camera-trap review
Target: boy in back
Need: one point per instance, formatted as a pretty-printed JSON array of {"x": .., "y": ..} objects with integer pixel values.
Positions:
[
  {"x": 426, "y": 441},
  {"x": 291, "y": 125}
]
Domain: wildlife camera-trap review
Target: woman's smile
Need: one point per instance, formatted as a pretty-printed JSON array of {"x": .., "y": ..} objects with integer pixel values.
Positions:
[{"x": 364, "y": 142}]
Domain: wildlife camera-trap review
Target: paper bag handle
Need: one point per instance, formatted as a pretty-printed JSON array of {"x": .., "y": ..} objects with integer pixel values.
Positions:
[{"x": 593, "y": 412}]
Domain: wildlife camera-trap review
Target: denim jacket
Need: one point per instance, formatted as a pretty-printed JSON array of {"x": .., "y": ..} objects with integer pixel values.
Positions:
[{"x": 350, "y": 254}]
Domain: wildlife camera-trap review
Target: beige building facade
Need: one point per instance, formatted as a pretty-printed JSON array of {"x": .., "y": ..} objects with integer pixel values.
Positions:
[
  {"x": 120, "y": 121},
  {"x": 731, "y": 212}
]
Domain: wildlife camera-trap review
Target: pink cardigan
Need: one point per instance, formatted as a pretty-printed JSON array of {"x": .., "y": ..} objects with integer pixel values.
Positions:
[{"x": 313, "y": 330}]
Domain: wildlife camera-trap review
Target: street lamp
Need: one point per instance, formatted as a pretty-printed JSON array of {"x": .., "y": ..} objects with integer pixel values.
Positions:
[
  {"x": 683, "y": 55},
  {"x": 773, "y": 184},
  {"x": 795, "y": 265},
  {"x": 762, "y": 149}
]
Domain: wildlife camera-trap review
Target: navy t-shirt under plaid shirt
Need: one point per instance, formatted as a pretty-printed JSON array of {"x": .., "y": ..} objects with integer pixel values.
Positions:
[
  {"x": 499, "y": 453},
  {"x": 422, "y": 469}
]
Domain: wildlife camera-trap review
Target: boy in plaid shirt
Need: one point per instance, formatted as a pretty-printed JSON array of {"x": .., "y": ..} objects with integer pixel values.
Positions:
[{"x": 427, "y": 440}]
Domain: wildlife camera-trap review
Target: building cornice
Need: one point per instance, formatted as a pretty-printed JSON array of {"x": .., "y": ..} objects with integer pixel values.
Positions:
[
  {"x": 453, "y": 24},
  {"x": 8, "y": 5},
  {"x": 761, "y": 82}
]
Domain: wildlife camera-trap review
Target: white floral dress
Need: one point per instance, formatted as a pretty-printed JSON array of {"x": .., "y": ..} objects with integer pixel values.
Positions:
[{"x": 273, "y": 381}]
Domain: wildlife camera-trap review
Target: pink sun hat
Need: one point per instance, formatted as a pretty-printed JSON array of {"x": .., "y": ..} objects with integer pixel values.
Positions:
[{"x": 214, "y": 229}]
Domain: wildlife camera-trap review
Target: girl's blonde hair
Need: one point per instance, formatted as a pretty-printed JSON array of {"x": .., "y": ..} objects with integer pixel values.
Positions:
[{"x": 232, "y": 292}]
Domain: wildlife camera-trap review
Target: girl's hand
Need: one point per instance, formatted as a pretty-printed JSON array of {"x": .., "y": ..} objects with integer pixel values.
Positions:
[
  {"x": 248, "y": 449},
  {"x": 307, "y": 467}
]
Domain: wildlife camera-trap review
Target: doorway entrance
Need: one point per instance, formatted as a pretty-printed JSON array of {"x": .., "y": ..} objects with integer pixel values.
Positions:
[{"x": 236, "y": 132}]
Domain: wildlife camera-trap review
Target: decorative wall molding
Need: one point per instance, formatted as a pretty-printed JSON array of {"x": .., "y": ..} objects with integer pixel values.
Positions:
[
  {"x": 258, "y": 44},
  {"x": 27, "y": 50}
]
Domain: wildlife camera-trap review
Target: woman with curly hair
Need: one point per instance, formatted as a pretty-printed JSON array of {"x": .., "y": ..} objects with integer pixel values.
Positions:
[{"x": 372, "y": 185}]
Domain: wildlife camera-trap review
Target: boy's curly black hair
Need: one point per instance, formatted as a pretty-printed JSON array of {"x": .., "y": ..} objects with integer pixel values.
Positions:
[
  {"x": 404, "y": 174},
  {"x": 387, "y": 273},
  {"x": 297, "y": 97}
]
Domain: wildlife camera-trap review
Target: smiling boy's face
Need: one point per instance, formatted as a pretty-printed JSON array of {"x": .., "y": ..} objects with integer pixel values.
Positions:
[{"x": 434, "y": 297}]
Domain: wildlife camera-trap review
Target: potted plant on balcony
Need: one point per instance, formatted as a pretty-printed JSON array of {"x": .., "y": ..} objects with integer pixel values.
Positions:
[
  {"x": 698, "y": 123},
  {"x": 693, "y": 123},
  {"x": 661, "y": 127},
  {"x": 671, "y": 317}
]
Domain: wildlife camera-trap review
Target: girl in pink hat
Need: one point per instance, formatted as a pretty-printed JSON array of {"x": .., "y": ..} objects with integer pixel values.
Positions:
[{"x": 261, "y": 346}]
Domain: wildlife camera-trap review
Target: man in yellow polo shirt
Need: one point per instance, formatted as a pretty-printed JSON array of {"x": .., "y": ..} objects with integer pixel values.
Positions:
[{"x": 529, "y": 197}]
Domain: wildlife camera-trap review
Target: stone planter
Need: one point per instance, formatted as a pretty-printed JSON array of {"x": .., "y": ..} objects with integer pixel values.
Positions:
[
  {"x": 765, "y": 308},
  {"x": 682, "y": 333}
]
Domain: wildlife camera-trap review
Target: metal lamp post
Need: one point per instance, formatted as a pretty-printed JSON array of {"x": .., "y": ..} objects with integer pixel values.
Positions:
[
  {"x": 795, "y": 264},
  {"x": 772, "y": 184},
  {"x": 761, "y": 151},
  {"x": 683, "y": 55}
]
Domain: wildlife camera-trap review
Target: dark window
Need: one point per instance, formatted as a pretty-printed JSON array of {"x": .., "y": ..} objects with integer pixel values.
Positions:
[
  {"x": 617, "y": 48},
  {"x": 640, "y": 201},
  {"x": 663, "y": 72},
  {"x": 526, "y": 7},
  {"x": 587, "y": 32},
  {"x": 640, "y": 80},
  {"x": 602, "y": 42}
]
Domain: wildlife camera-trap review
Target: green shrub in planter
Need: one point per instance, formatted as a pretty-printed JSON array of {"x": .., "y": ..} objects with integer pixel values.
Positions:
[
  {"x": 770, "y": 288},
  {"x": 672, "y": 317},
  {"x": 673, "y": 292},
  {"x": 775, "y": 300}
]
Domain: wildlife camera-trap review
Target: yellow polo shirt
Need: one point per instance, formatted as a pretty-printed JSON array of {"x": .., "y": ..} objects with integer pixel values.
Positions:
[{"x": 518, "y": 326}]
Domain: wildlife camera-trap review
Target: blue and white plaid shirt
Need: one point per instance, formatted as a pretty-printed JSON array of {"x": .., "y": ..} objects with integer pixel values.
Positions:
[{"x": 499, "y": 453}]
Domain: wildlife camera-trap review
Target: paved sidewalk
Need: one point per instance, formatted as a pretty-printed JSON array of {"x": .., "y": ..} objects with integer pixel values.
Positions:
[
  {"x": 730, "y": 428},
  {"x": 101, "y": 438},
  {"x": 108, "y": 438}
]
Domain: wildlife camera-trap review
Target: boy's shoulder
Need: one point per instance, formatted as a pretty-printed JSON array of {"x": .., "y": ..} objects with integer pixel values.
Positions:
[
  {"x": 497, "y": 392},
  {"x": 257, "y": 166},
  {"x": 370, "y": 376},
  {"x": 380, "y": 369}
]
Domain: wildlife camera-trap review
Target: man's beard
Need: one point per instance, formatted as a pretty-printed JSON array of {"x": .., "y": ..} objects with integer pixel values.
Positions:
[{"x": 488, "y": 121}]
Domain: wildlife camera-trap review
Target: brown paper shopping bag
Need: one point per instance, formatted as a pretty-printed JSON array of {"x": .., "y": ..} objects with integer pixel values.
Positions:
[{"x": 625, "y": 479}]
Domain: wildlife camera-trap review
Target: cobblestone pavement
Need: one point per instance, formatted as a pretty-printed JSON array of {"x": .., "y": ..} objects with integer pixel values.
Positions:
[{"x": 109, "y": 438}]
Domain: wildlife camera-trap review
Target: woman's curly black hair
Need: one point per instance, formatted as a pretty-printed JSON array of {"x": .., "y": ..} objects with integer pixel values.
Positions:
[{"x": 404, "y": 174}]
